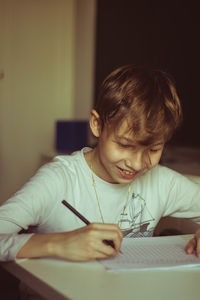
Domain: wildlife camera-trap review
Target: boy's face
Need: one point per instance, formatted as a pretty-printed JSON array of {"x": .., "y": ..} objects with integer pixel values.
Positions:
[{"x": 118, "y": 159}]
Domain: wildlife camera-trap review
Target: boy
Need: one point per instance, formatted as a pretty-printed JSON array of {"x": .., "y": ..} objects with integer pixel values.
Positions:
[{"x": 118, "y": 186}]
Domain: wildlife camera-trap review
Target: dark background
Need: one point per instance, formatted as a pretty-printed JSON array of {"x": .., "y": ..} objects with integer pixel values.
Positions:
[{"x": 158, "y": 33}]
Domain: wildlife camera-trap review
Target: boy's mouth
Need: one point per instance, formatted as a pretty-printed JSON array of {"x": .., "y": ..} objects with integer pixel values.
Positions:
[{"x": 127, "y": 174}]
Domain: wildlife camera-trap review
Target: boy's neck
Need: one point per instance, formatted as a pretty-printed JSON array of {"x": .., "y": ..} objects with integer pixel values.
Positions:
[{"x": 92, "y": 159}]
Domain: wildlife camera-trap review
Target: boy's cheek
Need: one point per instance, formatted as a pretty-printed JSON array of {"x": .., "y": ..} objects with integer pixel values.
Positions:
[
  {"x": 155, "y": 160},
  {"x": 112, "y": 153},
  {"x": 116, "y": 155}
]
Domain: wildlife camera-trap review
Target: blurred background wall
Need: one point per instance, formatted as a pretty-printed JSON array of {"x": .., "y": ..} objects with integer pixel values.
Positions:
[{"x": 46, "y": 73}]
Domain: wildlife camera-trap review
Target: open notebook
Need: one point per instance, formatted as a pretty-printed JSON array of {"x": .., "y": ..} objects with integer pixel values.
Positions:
[{"x": 152, "y": 253}]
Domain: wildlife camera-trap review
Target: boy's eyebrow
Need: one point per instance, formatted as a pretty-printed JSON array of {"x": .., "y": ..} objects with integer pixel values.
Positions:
[
  {"x": 158, "y": 144},
  {"x": 132, "y": 141},
  {"x": 126, "y": 139}
]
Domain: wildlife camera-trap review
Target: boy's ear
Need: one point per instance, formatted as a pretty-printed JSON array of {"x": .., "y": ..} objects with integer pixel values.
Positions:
[{"x": 95, "y": 123}]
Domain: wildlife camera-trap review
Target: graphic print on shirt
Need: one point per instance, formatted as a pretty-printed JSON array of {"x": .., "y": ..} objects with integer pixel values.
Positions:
[{"x": 136, "y": 219}]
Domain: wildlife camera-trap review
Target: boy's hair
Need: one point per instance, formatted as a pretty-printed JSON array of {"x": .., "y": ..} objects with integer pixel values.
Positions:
[{"x": 146, "y": 98}]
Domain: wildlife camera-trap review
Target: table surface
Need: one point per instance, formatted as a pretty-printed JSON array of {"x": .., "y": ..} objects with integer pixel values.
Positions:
[{"x": 58, "y": 279}]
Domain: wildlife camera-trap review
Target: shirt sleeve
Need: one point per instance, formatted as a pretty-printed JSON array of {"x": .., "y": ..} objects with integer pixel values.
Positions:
[
  {"x": 10, "y": 244},
  {"x": 181, "y": 195},
  {"x": 30, "y": 206}
]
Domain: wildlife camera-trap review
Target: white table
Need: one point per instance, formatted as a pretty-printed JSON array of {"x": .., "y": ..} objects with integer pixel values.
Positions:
[{"x": 58, "y": 280}]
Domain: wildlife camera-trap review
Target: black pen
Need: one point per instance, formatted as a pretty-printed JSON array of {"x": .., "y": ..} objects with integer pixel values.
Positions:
[{"x": 107, "y": 242}]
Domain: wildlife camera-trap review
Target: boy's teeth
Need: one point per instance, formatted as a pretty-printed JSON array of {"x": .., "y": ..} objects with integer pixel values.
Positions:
[{"x": 128, "y": 173}]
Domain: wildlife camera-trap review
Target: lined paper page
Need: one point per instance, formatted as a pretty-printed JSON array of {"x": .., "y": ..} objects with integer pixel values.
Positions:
[{"x": 151, "y": 253}]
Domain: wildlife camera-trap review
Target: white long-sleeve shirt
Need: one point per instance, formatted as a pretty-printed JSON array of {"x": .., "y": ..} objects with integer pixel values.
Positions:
[{"x": 160, "y": 192}]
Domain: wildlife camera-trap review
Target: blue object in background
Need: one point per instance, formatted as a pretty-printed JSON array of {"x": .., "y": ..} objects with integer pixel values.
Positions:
[{"x": 71, "y": 136}]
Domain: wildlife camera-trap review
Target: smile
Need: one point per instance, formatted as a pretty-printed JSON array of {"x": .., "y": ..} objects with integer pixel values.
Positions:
[
  {"x": 127, "y": 171},
  {"x": 127, "y": 174}
]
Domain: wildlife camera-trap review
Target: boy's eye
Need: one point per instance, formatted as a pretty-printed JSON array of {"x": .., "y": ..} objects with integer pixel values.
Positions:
[
  {"x": 154, "y": 150},
  {"x": 123, "y": 145}
]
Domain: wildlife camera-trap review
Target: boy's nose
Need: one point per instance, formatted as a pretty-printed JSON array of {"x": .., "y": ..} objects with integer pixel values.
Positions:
[{"x": 136, "y": 161}]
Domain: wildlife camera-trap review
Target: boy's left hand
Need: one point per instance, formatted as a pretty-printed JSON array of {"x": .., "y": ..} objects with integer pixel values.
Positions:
[{"x": 194, "y": 244}]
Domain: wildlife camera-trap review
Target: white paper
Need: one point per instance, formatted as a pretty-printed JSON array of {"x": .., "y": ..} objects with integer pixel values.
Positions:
[{"x": 151, "y": 253}]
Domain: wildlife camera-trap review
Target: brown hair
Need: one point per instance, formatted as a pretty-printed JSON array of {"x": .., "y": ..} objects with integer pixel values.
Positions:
[{"x": 146, "y": 98}]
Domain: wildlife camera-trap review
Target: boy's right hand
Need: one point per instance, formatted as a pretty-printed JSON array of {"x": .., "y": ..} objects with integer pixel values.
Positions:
[
  {"x": 82, "y": 244},
  {"x": 87, "y": 243}
]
